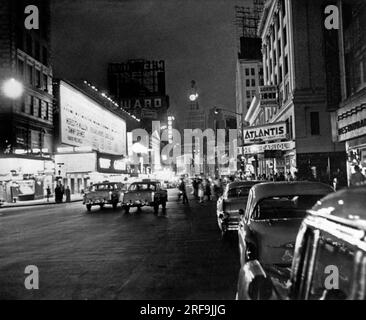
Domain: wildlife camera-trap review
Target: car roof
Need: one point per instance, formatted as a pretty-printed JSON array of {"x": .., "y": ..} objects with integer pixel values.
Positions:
[
  {"x": 243, "y": 183},
  {"x": 347, "y": 206},
  {"x": 146, "y": 181},
  {"x": 272, "y": 189}
]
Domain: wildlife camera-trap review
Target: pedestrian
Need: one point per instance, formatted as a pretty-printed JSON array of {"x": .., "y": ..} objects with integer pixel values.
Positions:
[
  {"x": 195, "y": 187},
  {"x": 57, "y": 193},
  {"x": 184, "y": 192},
  {"x": 62, "y": 192},
  {"x": 201, "y": 191},
  {"x": 68, "y": 194},
  {"x": 208, "y": 190},
  {"x": 357, "y": 178},
  {"x": 48, "y": 193}
]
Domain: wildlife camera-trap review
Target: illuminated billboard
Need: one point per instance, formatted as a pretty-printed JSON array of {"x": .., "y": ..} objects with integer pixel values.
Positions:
[{"x": 84, "y": 123}]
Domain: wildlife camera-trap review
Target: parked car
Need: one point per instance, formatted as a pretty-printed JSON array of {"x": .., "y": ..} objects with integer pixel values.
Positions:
[
  {"x": 101, "y": 194},
  {"x": 330, "y": 255},
  {"x": 145, "y": 193},
  {"x": 274, "y": 212},
  {"x": 234, "y": 198}
]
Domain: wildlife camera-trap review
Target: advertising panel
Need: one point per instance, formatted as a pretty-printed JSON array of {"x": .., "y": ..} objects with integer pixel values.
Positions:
[
  {"x": 261, "y": 148},
  {"x": 85, "y": 123},
  {"x": 272, "y": 131},
  {"x": 351, "y": 122},
  {"x": 268, "y": 96}
]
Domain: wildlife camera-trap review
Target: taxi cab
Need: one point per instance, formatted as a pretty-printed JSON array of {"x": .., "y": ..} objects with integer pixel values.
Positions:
[{"x": 330, "y": 255}]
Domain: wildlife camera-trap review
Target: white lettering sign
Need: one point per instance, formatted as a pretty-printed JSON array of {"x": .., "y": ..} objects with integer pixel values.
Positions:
[{"x": 273, "y": 131}]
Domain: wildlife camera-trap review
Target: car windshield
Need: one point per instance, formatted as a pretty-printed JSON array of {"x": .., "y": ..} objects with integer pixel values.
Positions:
[
  {"x": 104, "y": 187},
  {"x": 142, "y": 187},
  {"x": 282, "y": 207},
  {"x": 238, "y": 192}
]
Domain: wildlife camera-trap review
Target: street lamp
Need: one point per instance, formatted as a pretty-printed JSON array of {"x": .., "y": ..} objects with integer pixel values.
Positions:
[{"x": 12, "y": 89}]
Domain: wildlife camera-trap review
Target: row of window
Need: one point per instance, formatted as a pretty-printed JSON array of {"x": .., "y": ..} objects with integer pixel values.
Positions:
[
  {"x": 34, "y": 76},
  {"x": 37, "y": 107},
  {"x": 33, "y": 47}
]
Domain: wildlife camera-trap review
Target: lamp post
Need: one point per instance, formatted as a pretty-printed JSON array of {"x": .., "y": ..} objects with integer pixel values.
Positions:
[{"x": 12, "y": 89}]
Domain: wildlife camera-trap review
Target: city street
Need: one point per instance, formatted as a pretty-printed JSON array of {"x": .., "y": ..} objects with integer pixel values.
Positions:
[{"x": 111, "y": 255}]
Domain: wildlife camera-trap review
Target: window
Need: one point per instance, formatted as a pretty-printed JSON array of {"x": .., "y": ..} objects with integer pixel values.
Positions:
[
  {"x": 248, "y": 83},
  {"x": 45, "y": 56},
  {"x": 248, "y": 104},
  {"x": 246, "y": 71},
  {"x": 286, "y": 65},
  {"x": 38, "y": 78},
  {"x": 253, "y": 82},
  {"x": 285, "y": 207},
  {"x": 30, "y": 74},
  {"x": 37, "y": 51},
  {"x": 21, "y": 68},
  {"x": 31, "y": 105},
  {"x": 29, "y": 44},
  {"x": 45, "y": 82},
  {"x": 314, "y": 123},
  {"x": 337, "y": 254},
  {"x": 253, "y": 71},
  {"x": 248, "y": 94},
  {"x": 35, "y": 106},
  {"x": 254, "y": 93},
  {"x": 40, "y": 107},
  {"x": 47, "y": 110},
  {"x": 280, "y": 75}
]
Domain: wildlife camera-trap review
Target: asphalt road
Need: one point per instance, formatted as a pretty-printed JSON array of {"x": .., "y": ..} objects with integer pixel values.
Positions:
[{"x": 111, "y": 255}]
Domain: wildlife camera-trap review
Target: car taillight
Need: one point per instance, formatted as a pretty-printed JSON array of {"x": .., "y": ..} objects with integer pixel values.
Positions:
[{"x": 152, "y": 195}]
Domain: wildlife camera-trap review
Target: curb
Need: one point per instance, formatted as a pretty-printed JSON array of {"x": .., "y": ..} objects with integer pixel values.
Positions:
[{"x": 37, "y": 204}]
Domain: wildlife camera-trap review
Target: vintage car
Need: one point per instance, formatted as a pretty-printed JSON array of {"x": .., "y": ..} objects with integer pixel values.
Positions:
[
  {"x": 234, "y": 198},
  {"x": 145, "y": 193},
  {"x": 101, "y": 194},
  {"x": 330, "y": 256},
  {"x": 274, "y": 212}
]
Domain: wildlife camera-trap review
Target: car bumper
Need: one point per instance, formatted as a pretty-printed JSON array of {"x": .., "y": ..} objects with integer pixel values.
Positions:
[
  {"x": 137, "y": 204},
  {"x": 228, "y": 223}
]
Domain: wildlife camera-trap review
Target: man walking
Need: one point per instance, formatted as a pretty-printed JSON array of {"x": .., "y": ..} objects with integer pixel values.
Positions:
[
  {"x": 357, "y": 178},
  {"x": 183, "y": 190}
]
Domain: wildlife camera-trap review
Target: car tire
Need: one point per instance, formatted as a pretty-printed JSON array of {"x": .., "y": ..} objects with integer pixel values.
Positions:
[
  {"x": 164, "y": 205},
  {"x": 126, "y": 209},
  {"x": 115, "y": 204},
  {"x": 88, "y": 207},
  {"x": 101, "y": 206}
]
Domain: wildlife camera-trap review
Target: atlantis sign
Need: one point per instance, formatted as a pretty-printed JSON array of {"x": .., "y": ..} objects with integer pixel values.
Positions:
[{"x": 270, "y": 132}]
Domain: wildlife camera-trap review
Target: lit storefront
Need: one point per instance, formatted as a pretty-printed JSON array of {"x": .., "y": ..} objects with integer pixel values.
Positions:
[
  {"x": 278, "y": 157},
  {"x": 22, "y": 178},
  {"x": 351, "y": 127}
]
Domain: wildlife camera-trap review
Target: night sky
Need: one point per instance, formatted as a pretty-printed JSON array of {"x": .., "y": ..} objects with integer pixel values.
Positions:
[{"x": 196, "y": 38}]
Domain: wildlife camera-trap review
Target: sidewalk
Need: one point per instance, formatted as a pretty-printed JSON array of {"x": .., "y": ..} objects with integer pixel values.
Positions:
[{"x": 40, "y": 202}]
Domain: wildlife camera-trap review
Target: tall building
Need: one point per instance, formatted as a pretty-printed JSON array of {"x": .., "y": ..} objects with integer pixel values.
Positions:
[
  {"x": 348, "y": 46},
  {"x": 294, "y": 101},
  {"x": 249, "y": 70},
  {"x": 26, "y": 122},
  {"x": 139, "y": 87}
]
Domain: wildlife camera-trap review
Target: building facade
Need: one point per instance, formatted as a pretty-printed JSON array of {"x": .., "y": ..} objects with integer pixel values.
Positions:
[
  {"x": 26, "y": 122},
  {"x": 350, "y": 118},
  {"x": 139, "y": 87},
  {"x": 296, "y": 91}
]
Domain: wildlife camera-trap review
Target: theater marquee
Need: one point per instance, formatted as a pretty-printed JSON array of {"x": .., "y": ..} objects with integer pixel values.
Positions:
[
  {"x": 84, "y": 123},
  {"x": 270, "y": 132}
]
